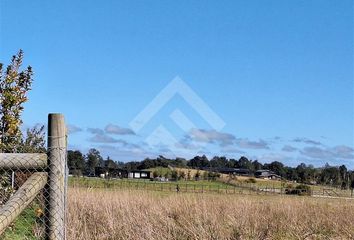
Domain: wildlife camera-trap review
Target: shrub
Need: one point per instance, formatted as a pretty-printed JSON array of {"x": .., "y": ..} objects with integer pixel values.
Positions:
[
  {"x": 213, "y": 176},
  {"x": 301, "y": 190},
  {"x": 174, "y": 175}
]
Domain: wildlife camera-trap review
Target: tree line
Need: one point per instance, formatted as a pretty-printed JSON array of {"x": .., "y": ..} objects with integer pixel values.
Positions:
[{"x": 339, "y": 176}]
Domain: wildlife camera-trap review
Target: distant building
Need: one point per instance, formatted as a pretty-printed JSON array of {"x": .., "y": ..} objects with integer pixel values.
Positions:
[
  {"x": 266, "y": 174},
  {"x": 235, "y": 171},
  {"x": 139, "y": 174},
  {"x": 106, "y": 172}
]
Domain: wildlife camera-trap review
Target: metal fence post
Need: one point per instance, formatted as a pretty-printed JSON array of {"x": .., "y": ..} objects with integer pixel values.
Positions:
[{"x": 56, "y": 187}]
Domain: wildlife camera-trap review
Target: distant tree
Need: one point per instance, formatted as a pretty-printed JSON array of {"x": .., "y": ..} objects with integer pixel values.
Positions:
[
  {"x": 180, "y": 162},
  {"x": 109, "y": 163},
  {"x": 277, "y": 167},
  {"x": 218, "y": 162},
  {"x": 130, "y": 166},
  {"x": 76, "y": 162},
  {"x": 343, "y": 175},
  {"x": 303, "y": 173},
  {"x": 243, "y": 162},
  {"x": 93, "y": 160},
  {"x": 257, "y": 165},
  {"x": 14, "y": 87},
  {"x": 148, "y": 163},
  {"x": 198, "y": 162},
  {"x": 174, "y": 174},
  {"x": 331, "y": 176},
  {"x": 291, "y": 174},
  {"x": 232, "y": 163}
]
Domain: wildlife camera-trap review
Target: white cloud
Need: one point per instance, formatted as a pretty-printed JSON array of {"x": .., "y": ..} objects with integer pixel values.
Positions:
[
  {"x": 73, "y": 129},
  {"x": 245, "y": 143},
  {"x": 115, "y": 129},
  {"x": 211, "y": 136},
  {"x": 288, "y": 148},
  {"x": 307, "y": 141}
]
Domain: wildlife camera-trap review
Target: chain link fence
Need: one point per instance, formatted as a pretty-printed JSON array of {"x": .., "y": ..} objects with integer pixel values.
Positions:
[{"x": 33, "y": 189}]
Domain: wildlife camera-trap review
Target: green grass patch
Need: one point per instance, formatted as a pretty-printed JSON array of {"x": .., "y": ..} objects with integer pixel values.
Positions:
[{"x": 24, "y": 226}]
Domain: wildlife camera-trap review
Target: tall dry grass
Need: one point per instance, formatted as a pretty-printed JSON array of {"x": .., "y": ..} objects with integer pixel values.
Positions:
[{"x": 100, "y": 214}]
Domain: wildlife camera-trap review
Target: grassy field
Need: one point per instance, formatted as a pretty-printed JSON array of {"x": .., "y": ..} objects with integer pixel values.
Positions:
[
  {"x": 138, "y": 209},
  {"x": 128, "y": 214},
  {"x": 222, "y": 185},
  {"x": 184, "y": 186}
]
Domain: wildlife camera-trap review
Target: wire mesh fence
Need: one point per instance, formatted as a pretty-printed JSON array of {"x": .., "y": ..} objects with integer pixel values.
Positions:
[{"x": 33, "y": 189}]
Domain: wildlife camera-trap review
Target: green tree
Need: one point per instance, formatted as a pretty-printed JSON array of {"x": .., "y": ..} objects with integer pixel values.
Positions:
[
  {"x": 14, "y": 86},
  {"x": 257, "y": 165},
  {"x": 109, "y": 163},
  {"x": 34, "y": 140},
  {"x": 93, "y": 160},
  {"x": 174, "y": 174},
  {"x": 76, "y": 162},
  {"x": 243, "y": 162},
  {"x": 277, "y": 167}
]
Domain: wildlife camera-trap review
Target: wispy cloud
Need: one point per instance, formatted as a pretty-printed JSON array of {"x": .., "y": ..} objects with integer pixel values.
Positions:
[
  {"x": 230, "y": 149},
  {"x": 95, "y": 131},
  {"x": 271, "y": 157},
  {"x": 103, "y": 138},
  {"x": 316, "y": 152},
  {"x": 307, "y": 141},
  {"x": 121, "y": 153},
  {"x": 245, "y": 143},
  {"x": 73, "y": 129},
  {"x": 115, "y": 129},
  {"x": 337, "y": 152},
  {"x": 343, "y": 152},
  {"x": 288, "y": 148},
  {"x": 211, "y": 136}
]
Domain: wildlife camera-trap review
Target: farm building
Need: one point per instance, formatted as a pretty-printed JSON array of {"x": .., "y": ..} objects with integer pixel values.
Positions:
[
  {"x": 236, "y": 171},
  {"x": 266, "y": 174},
  {"x": 106, "y": 172},
  {"x": 139, "y": 174}
]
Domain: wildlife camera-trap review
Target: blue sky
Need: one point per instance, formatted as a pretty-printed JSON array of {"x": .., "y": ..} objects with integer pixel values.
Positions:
[{"x": 279, "y": 74}]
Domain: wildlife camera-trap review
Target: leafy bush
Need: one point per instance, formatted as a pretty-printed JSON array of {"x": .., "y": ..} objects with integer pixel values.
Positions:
[
  {"x": 301, "y": 190},
  {"x": 5, "y": 187},
  {"x": 213, "y": 176}
]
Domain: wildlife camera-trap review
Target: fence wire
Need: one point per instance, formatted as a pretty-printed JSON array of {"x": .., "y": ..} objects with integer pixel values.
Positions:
[{"x": 32, "y": 195}]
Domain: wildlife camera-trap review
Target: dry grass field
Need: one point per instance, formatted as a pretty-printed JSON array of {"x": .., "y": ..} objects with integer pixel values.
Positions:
[{"x": 128, "y": 214}]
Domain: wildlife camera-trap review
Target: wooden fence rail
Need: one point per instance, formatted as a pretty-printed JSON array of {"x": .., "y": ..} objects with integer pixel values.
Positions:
[
  {"x": 24, "y": 161},
  {"x": 49, "y": 174}
]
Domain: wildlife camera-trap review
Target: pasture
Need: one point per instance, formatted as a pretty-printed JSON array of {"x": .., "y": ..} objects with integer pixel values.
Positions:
[
  {"x": 129, "y": 214},
  {"x": 241, "y": 185}
]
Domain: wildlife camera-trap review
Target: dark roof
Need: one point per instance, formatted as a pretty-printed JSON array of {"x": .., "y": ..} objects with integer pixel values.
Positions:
[
  {"x": 109, "y": 169},
  {"x": 141, "y": 171}
]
